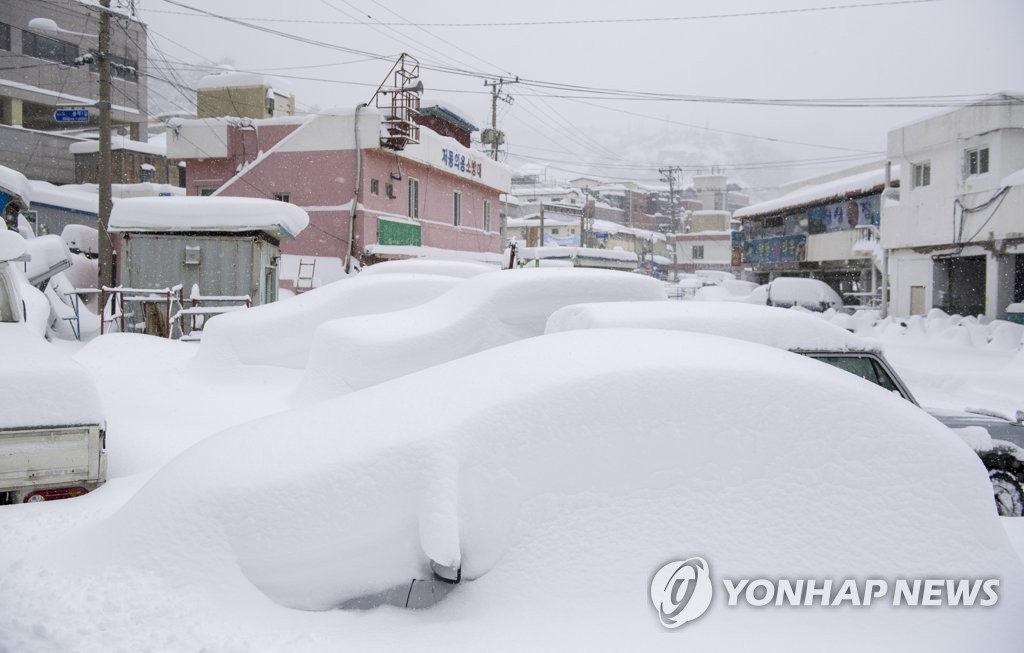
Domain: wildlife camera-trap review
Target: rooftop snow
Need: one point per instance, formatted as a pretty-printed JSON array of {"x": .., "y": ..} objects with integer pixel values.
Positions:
[
  {"x": 862, "y": 183},
  {"x": 66, "y": 198},
  {"x": 1013, "y": 179},
  {"x": 230, "y": 78},
  {"x": 208, "y": 214},
  {"x": 120, "y": 143}
]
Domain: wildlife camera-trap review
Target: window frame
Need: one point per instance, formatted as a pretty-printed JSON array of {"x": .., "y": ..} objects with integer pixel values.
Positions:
[
  {"x": 414, "y": 198},
  {"x": 976, "y": 161},
  {"x": 487, "y": 215},
  {"x": 374, "y": 187},
  {"x": 922, "y": 174},
  {"x": 697, "y": 252},
  {"x": 457, "y": 208},
  {"x": 283, "y": 197}
]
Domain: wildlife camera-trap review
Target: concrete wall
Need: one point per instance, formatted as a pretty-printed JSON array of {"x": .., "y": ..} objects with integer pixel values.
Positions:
[
  {"x": 38, "y": 155},
  {"x": 129, "y": 98}
]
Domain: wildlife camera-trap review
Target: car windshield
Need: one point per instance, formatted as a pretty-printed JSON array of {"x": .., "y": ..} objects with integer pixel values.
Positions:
[{"x": 863, "y": 366}]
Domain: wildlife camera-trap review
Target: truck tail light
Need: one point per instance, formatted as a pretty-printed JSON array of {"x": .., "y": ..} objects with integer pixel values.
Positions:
[{"x": 54, "y": 494}]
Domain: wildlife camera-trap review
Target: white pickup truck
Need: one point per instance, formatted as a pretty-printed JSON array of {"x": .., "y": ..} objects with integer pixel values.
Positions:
[{"x": 52, "y": 437}]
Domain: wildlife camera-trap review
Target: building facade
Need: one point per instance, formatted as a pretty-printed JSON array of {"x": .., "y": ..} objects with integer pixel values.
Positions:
[
  {"x": 43, "y": 72},
  {"x": 955, "y": 237},
  {"x": 366, "y": 202},
  {"x": 826, "y": 230}
]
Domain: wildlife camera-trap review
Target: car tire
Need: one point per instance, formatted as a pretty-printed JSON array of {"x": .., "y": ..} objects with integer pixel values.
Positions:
[{"x": 1008, "y": 494}]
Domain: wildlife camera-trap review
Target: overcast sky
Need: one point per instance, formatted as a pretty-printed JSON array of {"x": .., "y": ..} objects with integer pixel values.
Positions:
[{"x": 896, "y": 49}]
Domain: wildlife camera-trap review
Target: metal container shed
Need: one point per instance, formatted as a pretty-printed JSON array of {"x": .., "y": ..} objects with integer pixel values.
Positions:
[{"x": 226, "y": 246}]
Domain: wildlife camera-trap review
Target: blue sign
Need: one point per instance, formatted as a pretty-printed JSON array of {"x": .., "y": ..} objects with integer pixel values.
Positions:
[
  {"x": 779, "y": 249},
  {"x": 71, "y": 115},
  {"x": 840, "y": 216}
]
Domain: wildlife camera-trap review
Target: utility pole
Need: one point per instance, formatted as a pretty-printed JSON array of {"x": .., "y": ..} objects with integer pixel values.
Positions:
[
  {"x": 492, "y": 136},
  {"x": 106, "y": 253},
  {"x": 669, "y": 175}
]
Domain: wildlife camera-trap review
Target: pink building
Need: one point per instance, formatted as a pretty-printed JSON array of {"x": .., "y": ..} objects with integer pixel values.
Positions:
[{"x": 433, "y": 198}]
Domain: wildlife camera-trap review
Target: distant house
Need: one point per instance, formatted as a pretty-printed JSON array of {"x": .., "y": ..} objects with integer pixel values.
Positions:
[
  {"x": 367, "y": 200},
  {"x": 131, "y": 162},
  {"x": 708, "y": 245}
]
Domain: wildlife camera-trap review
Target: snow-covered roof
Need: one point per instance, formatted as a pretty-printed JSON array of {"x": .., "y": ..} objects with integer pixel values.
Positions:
[
  {"x": 1013, "y": 179},
  {"x": 120, "y": 143},
  {"x": 230, "y": 78},
  {"x": 73, "y": 198},
  {"x": 279, "y": 219},
  {"x": 858, "y": 184},
  {"x": 449, "y": 114}
]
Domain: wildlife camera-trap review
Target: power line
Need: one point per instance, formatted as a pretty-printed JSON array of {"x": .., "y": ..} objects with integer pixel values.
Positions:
[{"x": 584, "y": 21}]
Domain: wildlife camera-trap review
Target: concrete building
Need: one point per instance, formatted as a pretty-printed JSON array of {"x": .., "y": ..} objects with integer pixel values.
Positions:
[
  {"x": 40, "y": 76},
  {"x": 366, "y": 201},
  {"x": 825, "y": 230},
  {"x": 955, "y": 237},
  {"x": 243, "y": 95},
  {"x": 708, "y": 245}
]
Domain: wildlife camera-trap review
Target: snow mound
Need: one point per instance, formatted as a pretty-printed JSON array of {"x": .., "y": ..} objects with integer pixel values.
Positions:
[
  {"x": 461, "y": 269},
  {"x": 281, "y": 333},
  {"x": 51, "y": 389},
  {"x": 482, "y": 312},
  {"x": 559, "y": 522},
  {"x": 766, "y": 325}
]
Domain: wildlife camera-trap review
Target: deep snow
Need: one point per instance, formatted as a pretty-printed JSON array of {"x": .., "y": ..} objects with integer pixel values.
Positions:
[{"x": 524, "y": 462}]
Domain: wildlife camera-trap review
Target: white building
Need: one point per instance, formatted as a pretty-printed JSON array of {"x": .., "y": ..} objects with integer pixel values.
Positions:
[
  {"x": 708, "y": 245},
  {"x": 955, "y": 237}
]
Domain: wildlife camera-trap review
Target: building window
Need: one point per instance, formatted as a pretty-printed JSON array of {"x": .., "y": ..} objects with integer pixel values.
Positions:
[
  {"x": 922, "y": 174},
  {"x": 374, "y": 187},
  {"x": 389, "y": 191},
  {"x": 457, "y": 209},
  {"x": 283, "y": 197},
  {"x": 120, "y": 68},
  {"x": 147, "y": 172},
  {"x": 5, "y": 36},
  {"x": 205, "y": 192},
  {"x": 43, "y": 47},
  {"x": 487, "y": 215},
  {"x": 698, "y": 252},
  {"x": 414, "y": 197},
  {"x": 976, "y": 161},
  {"x": 554, "y": 231}
]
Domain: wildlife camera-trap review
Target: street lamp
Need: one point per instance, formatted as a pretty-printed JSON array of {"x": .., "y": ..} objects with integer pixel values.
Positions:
[{"x": 106, "y": 260}]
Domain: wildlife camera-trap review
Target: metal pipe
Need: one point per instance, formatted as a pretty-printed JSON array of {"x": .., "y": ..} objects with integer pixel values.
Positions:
[{"x": 355, "y": 193}]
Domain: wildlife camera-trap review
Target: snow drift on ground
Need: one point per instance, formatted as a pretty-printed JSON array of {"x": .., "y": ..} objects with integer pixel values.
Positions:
[
  {"x": 563, "y": 480},
  {"x": 951, "y": 361},
  {"x": 481, "y": 312},
  {"x": 280, "y": 333}
]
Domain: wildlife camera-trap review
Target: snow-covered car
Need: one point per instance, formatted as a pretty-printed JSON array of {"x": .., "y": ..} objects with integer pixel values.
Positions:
[
  {"x": 815, "y": 338},
  {"x": 787, "y": 292},
  {"x": 554, "y": 475},
  {"x": 52, "y": 438},
  {"x": 481, "y": 312}
]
